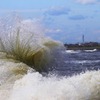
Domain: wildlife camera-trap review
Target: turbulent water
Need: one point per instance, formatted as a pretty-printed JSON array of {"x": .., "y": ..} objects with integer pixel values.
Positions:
[
  {"x": 35, "y": 67},
  {"x": 79, "y": 61}
]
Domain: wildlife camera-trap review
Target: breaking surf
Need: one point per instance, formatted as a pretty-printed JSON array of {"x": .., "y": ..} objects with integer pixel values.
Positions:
[{"x": 25, "y": 53}]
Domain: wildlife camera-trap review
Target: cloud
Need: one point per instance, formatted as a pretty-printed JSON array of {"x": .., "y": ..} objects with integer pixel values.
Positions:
[
  {"x": 53, "y": 30},
  {"x": 87, "y": 1},
  {"x": 56, "y": 11},
  {"x": 78, "y": 17}
]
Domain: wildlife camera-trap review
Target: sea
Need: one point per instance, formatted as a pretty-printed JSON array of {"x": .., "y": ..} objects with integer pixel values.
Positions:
[
  {"x": 35, "y": 67},
  {"x": 77, "y": 61}
]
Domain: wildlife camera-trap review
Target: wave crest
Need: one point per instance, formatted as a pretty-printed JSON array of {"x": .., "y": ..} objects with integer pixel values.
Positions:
[{"x": 24, "y": 44}]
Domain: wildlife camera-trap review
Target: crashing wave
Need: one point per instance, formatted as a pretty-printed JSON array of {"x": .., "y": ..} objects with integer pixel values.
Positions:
[
  {"x": 33, "y": 86},
  {"x": 24, "y": 50},
  {"x": 23, "y": 43}
]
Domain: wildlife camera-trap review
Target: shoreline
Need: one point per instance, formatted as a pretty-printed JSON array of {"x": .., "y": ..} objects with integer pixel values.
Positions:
[{"x": 83, "y": 46}]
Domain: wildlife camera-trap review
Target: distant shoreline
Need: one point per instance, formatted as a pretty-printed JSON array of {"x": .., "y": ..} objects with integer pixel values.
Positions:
[{"x": 83, "y": 46}]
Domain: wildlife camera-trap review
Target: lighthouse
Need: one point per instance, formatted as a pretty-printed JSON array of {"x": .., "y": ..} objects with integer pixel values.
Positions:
[{"x": 83, "y": 39}]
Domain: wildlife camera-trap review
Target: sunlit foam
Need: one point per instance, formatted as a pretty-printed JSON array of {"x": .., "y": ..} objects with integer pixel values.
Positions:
[
  {"x": 91, "y": 50},
  {"x": 73, "y": 51},
  {"x": 33, "y": 86}
]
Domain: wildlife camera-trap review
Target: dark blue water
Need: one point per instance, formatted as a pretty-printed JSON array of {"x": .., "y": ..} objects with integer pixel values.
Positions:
[{"x": 75, "y": 62}]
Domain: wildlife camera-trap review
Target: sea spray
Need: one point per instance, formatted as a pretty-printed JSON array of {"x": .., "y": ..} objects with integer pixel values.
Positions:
[{"x": 24, "y": 44}]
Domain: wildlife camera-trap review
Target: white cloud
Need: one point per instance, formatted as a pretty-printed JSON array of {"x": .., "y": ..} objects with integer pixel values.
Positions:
[
  {"x": 53, "y": 30},
  {"x": 56, "y": 11},
  {"x": 87, "y": 1}
]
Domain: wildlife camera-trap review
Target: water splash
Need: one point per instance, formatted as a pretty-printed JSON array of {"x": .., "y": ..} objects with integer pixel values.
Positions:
[
  {"x": 22, "y": 46},
  {"x": 24, "y": 41}
]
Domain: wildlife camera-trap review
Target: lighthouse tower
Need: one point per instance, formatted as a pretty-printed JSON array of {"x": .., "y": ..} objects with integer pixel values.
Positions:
[{"x": 83, "y": 39}]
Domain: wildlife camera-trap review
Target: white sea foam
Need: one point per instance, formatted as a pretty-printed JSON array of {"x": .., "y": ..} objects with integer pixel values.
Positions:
[
  {"x": 10, "y": 71},
  {"x": 91, "y": 50},
  {"x": 78, "y": 51},
  {"x": 73, "y": 51},
  {"x": 34, "y": 86},
  {"x": 82, "y": 61}
]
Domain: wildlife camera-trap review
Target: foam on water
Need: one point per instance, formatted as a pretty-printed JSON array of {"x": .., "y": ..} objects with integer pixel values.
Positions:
[
  {"x": 73, "y": 51},
  {"x": 78, "y": 51},
  {"x": 33, "y": 86},
  {"x": 22, "y": 48},
  {"x": 91, "y": 50},
  {"x": 17, "y": 84},
  {"x": 10, "y": 71},
  {"x": 82, "y": 61}
]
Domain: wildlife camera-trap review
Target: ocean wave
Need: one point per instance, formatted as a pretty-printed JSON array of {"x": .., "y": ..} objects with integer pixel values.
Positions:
[
  {"x": 24, "y": 43},
  {"x": 24, "y": 53},
  {"x": 20, "y": 82},
  {"x": 73, "y": 51},
  {"x": 94, "y": 50},
  {"x": 83, "y": 61},
  {"x": 33, "y": 86}
]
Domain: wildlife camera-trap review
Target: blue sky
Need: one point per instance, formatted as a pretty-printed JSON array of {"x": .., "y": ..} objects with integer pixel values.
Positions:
[{"x": 64, "y": 20}]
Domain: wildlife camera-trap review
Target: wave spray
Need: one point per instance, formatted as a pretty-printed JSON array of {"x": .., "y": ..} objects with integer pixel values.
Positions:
[{"x": 25, "y": 52}]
